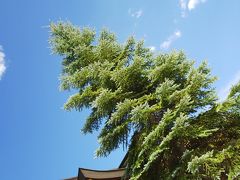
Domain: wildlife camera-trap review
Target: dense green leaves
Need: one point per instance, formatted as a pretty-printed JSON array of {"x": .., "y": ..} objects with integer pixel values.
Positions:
[{"x": 160, "y": 106}]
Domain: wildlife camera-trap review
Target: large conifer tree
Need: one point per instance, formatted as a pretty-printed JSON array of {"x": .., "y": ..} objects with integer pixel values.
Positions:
[{"x": 160, "y": 106}]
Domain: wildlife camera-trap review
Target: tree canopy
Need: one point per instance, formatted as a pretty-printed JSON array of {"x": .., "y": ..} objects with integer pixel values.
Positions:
[{"x": 160, "y": 106}]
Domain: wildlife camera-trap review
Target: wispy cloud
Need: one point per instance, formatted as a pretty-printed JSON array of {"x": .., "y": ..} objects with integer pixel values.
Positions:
[
  {"x": 223, "y": 93},
  {"x": 136, "y": 14},
  {"x": 2, "y": 62},
  {"x": 166, "y": 44},
  {"x": 183, "y": 6}
]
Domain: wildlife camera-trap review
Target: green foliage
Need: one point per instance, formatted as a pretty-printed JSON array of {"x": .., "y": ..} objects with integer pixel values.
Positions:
[{"x": 161, "y": 107}]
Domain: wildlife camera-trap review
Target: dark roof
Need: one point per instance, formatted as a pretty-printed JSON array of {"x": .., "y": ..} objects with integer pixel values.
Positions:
[
  {"x": 114, "y": 174},
  {"x": 99, "y": 174},
  {"x": 73, "y": 178},
  {"x": 123, "y": 164}
]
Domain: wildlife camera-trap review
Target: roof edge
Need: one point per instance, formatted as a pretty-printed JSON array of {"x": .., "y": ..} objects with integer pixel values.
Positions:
[{"x": 110, "y": 170}]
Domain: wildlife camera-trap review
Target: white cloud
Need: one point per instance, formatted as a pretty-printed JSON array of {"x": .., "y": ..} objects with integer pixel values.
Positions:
[
  {"x": 177, "y": 34},
  {"x": 188, "y": 5},
  {"x": 136, "y": 14},
  {"x": 2, "y": 62},
  {"x": 166, "y": 44},
  {"x": 152, "y": 48},
  {"x": 223, "y": 93},
  {"x": 193, "y": 3}
]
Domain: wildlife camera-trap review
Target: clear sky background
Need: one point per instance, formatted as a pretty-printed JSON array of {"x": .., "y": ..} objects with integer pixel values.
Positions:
[{"x": 38, "y": 139}]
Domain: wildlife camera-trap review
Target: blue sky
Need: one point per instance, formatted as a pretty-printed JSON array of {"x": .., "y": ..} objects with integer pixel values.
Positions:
[{"x": 38, "y": 139}]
